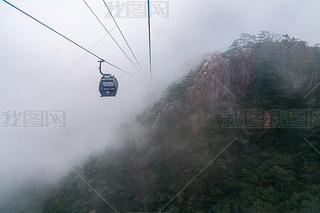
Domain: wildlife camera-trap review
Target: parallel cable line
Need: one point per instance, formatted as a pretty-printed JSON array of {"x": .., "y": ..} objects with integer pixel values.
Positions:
[
  {"x": 65, "y": 37},
  {"x": 110, "y": 34},
  {"x": 122, "y": 35},
  {"x": 149, "y": 39}
]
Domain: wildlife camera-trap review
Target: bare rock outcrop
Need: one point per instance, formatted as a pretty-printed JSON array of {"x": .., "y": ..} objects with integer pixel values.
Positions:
[
  {"x": 173, "y": 111},
  {"x": 217, "y": 82}
]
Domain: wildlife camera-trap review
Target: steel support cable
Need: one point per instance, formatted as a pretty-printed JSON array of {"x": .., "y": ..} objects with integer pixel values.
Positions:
[
  {"x": 122, "y": 35},
  {"x": 65, "y": 37},
  {"x": 110, "y": 34},
  {"x": 150, "y": 59}
]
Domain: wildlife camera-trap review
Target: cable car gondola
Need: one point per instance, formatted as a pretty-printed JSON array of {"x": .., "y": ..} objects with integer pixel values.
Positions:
[{"x": 108, "y": 85}]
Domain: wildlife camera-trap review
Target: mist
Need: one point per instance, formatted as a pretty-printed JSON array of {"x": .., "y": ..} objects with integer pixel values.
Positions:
[{"x": 42, "y": 71}]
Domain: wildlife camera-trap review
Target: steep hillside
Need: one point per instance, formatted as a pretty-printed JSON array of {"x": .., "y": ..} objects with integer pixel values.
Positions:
[{"x": 225, "y": 138}]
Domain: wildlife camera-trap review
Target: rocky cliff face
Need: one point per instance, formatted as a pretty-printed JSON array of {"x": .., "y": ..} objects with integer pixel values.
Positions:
[
  {"x": 223, "y": 77},
  {"x": 215, "y": 86}
]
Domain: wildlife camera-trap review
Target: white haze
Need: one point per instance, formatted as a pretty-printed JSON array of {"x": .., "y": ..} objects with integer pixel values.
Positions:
[{"x": 32, "y": 59}]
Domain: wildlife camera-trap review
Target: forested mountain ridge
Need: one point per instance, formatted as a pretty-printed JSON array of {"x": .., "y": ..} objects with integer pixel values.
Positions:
[{"x": 268, "y": 167}]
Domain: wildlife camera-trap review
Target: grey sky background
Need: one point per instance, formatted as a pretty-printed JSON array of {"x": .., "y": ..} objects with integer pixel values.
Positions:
[{"x": 32, "y": 59}]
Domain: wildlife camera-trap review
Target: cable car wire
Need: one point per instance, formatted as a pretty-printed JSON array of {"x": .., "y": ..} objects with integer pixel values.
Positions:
[
  {"x": 150, "y": 60},
  {"x": 122, "y": 34},
  {"x": 110, "y": 34},
  {"x": 66, "y": 37}
]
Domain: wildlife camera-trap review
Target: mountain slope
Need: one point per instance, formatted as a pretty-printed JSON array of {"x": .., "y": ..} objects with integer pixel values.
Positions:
[{"x": 269, "y": 165}]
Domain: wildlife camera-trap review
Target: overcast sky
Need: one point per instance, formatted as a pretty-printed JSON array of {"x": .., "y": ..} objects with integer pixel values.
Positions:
[{"x": 42, "y": 71}]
